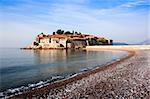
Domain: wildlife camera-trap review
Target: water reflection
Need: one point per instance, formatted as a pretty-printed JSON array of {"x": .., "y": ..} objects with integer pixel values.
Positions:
[
  {"x": 50, "y": 56},
  {"x": 59, "y": 62}
]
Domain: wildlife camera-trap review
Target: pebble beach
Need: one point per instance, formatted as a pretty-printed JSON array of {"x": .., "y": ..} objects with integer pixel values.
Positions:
[{"x": 129, "y": 79}]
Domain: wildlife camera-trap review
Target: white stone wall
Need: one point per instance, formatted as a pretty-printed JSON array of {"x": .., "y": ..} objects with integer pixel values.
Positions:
[
  {"x": 55, "y": 43},
  {"x": 45, "y": 40},
  {"x": 49, "y": 45},
  {"x": 63, "y": 42}
]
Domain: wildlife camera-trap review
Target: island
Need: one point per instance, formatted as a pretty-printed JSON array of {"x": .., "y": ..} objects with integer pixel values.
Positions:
[{"x": 65, "y": 40}]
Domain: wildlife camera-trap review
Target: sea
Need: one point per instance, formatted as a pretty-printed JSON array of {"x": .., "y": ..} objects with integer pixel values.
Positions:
[{"x": 23, "y": 69}]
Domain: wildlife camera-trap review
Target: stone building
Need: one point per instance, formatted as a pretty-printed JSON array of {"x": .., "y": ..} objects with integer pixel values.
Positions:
[{"x": 64, "y": 41}]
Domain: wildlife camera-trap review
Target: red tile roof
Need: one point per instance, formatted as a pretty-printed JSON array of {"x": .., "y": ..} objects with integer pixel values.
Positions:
[{"x": 58, "y": 36}]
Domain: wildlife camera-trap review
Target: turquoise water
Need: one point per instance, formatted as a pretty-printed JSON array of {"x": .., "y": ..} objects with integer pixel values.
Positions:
[{"x": 23, "y": 67}]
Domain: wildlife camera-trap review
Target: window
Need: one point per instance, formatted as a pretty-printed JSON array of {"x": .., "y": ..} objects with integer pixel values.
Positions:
[{"x": 50, "y": 40}]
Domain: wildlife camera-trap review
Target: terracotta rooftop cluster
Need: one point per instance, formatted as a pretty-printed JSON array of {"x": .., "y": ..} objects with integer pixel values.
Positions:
[{"x": 68, "y": 36}]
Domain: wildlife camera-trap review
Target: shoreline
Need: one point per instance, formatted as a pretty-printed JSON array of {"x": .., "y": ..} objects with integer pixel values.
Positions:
[{"x": 45, "y": 90}]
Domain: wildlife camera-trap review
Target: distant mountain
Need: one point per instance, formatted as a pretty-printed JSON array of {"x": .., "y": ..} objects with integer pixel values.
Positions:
[
  {"x": 146, "y": 42},
  {"x": 120, "y": 43}
]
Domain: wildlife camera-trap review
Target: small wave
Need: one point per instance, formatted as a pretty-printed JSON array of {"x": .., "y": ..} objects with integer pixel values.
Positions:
[
  {"x": 15, "y": 91},
  {"x": 84, "y": 69}
]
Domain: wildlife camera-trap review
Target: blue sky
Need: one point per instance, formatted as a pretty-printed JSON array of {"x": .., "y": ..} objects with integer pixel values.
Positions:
[{"x": 121, "y": 20}]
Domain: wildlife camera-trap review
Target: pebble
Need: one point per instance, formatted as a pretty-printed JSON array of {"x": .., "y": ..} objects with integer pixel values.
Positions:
[{"x": 127, "y": 80}]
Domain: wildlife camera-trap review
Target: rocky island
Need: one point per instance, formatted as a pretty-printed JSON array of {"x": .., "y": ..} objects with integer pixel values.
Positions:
[{"x": 65, "y": 40}]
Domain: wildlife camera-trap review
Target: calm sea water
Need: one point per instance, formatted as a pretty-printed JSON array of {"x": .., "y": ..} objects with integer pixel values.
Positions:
[{"x": 23, "y": 67}]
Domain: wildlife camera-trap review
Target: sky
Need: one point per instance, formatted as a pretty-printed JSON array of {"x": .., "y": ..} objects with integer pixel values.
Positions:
[{"x": 121, "y": 20}]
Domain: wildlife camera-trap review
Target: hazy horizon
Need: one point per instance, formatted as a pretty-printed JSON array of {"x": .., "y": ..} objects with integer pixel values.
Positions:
[{"x": 123, "y": 21}]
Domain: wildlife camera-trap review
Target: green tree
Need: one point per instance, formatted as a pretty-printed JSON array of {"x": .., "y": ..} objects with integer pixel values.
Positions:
[
  {"x": 102, "y": 41},
  {"x": 68, "y": 32},
  {"x": 62, "y": 32},
  {"x": 53, "y": 33},
  {"x": 59, "y": 31},
  {"x": 73, "y": 32},
  {"x": 76, "y": 32},
  {"x": 69, "y": 41}
]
